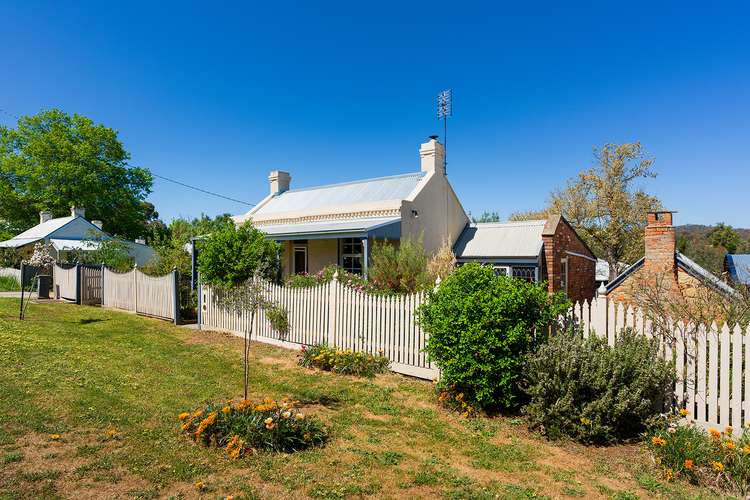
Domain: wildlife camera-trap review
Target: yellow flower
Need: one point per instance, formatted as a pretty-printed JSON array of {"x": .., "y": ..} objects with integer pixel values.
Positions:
[
  {"x": 198, "y": 413},
  {"x": 226, "y": 409},
  {"x": 185, "y": 426},
  {"x": 717, "y": 466},
  {"x": 111, "y": 431},
  {"x": 657, "y": 441},
  {"x": 689, "y": 464},
  {"x": 585, "y": 421},
  {"x": 669, "y": 474},
  {"x": 684, "y": 412},
  {"x": 269, "y": 423},
  {"x": 729, "y": 445},
  {"x": 714, "y": 433},
  {"x": 199, "y": 486},
  {"x": 55, "y": 436},
  {"x": 183, "y": 415},
  {"x": 746, "y": 449},
  {"x": 244, "y": 405}
]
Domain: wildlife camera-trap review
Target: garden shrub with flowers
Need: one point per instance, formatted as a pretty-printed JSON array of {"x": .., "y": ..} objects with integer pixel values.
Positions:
[
  {"x": 714, "y": 458},
  {"x": 344, "y": 361},
  {"x": 594, "y": 393},
  {"x": 245, "y": 427}
]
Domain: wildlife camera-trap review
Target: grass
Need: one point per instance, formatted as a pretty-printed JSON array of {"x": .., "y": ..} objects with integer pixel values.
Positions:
[
  {"x": 81, "y": 371},
  {"x": 9, "y": 284}
]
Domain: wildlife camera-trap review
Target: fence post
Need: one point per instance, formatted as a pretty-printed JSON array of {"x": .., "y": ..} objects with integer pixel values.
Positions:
[
  {"x": 332, "y": 308},
  {"x": 78, "y": 283},
  {"x": 176, "y": 295},
  {"x": 200, "y": 301},
  {"x": 135, "y": 288},
  {"x": 101, "y": 285}
]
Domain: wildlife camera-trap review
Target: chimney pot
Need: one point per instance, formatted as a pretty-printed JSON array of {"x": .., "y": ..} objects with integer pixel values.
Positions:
[
  {"x": 44, "y": 216},
  {"x": 279, "y": 181}
]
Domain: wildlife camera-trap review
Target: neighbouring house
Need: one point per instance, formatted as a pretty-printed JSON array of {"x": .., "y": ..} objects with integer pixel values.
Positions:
[
  {"x": 536, "y": 250},
  {"x": 338, "y": 223},
  {"x": 737, "y": 267},
  {"x": 71, "y": 234},
  {"x": 663, "y": 267}
]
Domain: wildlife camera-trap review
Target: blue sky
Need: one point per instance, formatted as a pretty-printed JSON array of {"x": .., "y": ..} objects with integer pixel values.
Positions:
[{"x": 217, "y": 96}]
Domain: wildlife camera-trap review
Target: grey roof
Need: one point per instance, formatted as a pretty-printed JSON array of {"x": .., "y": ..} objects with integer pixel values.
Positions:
[
  {"x": 498, "y": 240},
  {"x": 687, "y": 265},
  {"x": 65, "y": 244},
  {"x": 36, "y": 233},
  {"x": 329, "y": 227},
  {"x": 738, "y": 266},
  {"x": 397, "y": 187}
]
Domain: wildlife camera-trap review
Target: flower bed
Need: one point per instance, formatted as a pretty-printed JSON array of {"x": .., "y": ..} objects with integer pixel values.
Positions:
[
  {"x": 714, "y": 458},
  {"x": 345, "y": 361},
  {"x": 246, "y": 427}
]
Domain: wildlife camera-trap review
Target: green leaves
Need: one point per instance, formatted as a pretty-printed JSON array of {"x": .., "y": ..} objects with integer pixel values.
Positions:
[
  {"x": 53, "y": 160},
  {"x": 481, "y": 327}
]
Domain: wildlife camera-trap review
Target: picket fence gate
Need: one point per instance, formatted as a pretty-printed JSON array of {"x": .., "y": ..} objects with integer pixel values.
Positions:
[
  {"x": 154, "y": 296},
  {"x": 65, "y": 282},
  {"x": 335, "y": 315},
  {"x": 712, "y": 362}
]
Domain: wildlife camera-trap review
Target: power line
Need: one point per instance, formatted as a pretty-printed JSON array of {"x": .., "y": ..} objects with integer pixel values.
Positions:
[{"x": 203, "y": 190}]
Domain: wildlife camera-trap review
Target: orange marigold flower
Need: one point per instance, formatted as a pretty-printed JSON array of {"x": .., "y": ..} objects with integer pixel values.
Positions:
[
  {"x": 200, "y": 486},
  {"x": 657, "y": 441},
  {"x": 669, "y": 474},
  {"x": 55, "y": 436},
  {"x": 226, "y": 409},
  {"x": 746, "y": 449},
  {"x": 729, "y": 445},
  {"x": 183, "y": 415},
  {"x": 689, "y": 464},
  {"x": 728, "y": 429},
  {"x": 714, "y": 433},
  {"x": 717, "y": 466},
  {"x": 684, "y": 412}
]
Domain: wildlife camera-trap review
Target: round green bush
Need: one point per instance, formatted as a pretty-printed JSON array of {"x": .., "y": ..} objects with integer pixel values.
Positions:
[
  {"x": 481, "y": 327},
  {"x": 594, "y": 393}
]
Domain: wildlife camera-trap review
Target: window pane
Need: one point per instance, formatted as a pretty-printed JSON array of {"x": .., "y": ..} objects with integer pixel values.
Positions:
[{"x": 527, "y": 273}]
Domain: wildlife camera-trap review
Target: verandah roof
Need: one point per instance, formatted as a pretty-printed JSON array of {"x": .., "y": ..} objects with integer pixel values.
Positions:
[{"x": 372, "y": 227}]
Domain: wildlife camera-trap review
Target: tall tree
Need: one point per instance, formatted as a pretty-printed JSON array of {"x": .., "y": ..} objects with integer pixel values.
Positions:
[
  {"x": 605, "y": 205},
  {"x": 723, "y": 235},
  {"x": 53, "y": 160},
  {"x": 486, "y": 217}
]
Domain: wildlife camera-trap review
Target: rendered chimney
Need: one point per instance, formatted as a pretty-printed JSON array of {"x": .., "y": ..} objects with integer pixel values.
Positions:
[
  {"x": 44, "y": 216},
  {"x": 140, "y": 241},
  {"x": 661, "y": 242},
  {"x": 98, "y": 223},
  {"x": 279, "y": 181},
  {"x": 77, "y": 211},
  {"x": 432, "y": 155}
]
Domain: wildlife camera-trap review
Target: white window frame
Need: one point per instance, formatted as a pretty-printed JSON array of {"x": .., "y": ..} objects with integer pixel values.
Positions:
[
  {"x": 564, "y": 262},
  {"x": 295, "y": 249},
  {"x": 360, "y": 255},
  {"x": 507, "y": 269}
]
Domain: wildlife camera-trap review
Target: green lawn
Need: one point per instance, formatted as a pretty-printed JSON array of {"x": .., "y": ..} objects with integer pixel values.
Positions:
[{"x": 81, "y": 371}]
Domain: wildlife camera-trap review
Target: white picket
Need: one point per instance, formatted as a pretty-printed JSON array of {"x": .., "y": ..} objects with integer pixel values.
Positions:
[{"x": 736, "y": 402}]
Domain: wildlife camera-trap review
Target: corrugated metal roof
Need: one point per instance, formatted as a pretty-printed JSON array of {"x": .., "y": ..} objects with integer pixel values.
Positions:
[
  {"x": 396, "y": 187},
  {"x": 88, "y": 245},
  {"x": 45, "y": 228},
  {"x": 738, "y": 266},
  {"x": 496, "y": 240},
  {"x": 329, "y": 227}
]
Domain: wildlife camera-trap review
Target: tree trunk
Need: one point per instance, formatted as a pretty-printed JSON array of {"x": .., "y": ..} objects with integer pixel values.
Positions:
[{"x": 246, "y": 357}]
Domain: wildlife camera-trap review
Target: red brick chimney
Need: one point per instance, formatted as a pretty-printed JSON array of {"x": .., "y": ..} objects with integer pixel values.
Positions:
[{"x": 661, "y": 243}]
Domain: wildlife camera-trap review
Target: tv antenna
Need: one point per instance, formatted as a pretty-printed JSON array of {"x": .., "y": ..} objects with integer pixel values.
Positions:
[{"x": 445, "y": 110}]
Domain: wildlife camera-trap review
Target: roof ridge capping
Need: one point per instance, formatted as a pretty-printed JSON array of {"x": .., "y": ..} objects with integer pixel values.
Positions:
[
  {"x": 359, "y": 181},
  {"x": 532, "y": 222}
]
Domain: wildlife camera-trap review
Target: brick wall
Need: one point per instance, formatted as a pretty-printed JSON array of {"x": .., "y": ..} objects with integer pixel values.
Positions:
[{"x": 562, "y": 242}]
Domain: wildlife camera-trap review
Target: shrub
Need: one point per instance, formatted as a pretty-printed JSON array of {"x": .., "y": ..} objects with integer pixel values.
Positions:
[
  {"x": 9, "y": 284},
  {"x": 683, "y": 450},
  {"x": 279, "y": 319},
  {"x": 325, "y": 275},
  {"x": 594, "y": 393},
  {"x": 345, "y": 362},
  {"x": 399, "y": 269},
  {"x": 481, "y": 328},
  {"x": 246, "y": 427}
]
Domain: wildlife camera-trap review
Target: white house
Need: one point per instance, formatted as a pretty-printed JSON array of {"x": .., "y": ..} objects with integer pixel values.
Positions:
[{"x": 72, "y": 233}]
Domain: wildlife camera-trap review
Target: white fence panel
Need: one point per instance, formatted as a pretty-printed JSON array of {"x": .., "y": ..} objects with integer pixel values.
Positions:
[
  {"x": 118, "y": 289},
  {"x": 65, "y": 282},
  {"x": 155, "y": 296},
  {"x": 711, "y": 362},
  {"x": 336, "y": 315}
]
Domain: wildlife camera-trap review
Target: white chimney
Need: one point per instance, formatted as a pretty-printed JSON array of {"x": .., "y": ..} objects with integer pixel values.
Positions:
[
  {"x": 140, "y": 241},
  {"x": 432, "y": 154},
  {"x": 44, "y": 216},
  {"x": 77, "y": 211},
  {"x": 279, "y": 181},
  {"x": 98, "y": 223}
]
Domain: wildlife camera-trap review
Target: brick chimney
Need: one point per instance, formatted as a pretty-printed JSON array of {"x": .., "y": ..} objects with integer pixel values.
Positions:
[
  {"x": 432, "y": 154},
  {"x": 44, "y": 216},
  {"x": 661, "y": 243},
  {"x": 279, "y": 181},
  {"x": 77, "y": 211}
]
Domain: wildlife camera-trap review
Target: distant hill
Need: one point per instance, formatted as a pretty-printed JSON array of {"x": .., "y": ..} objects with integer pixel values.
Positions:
[{"x": 692, "y": 240}]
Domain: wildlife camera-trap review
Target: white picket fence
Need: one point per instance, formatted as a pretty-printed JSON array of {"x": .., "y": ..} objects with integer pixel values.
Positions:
[
  {"x": 712, "y": 362},
  {"x": 65, "y": 282},
  {"x": 335, "y": 315},
  {"x": 137, "y": 292}
]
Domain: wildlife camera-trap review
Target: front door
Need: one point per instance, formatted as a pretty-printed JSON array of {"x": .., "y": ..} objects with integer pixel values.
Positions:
[{"x": 300, "y": 260}]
